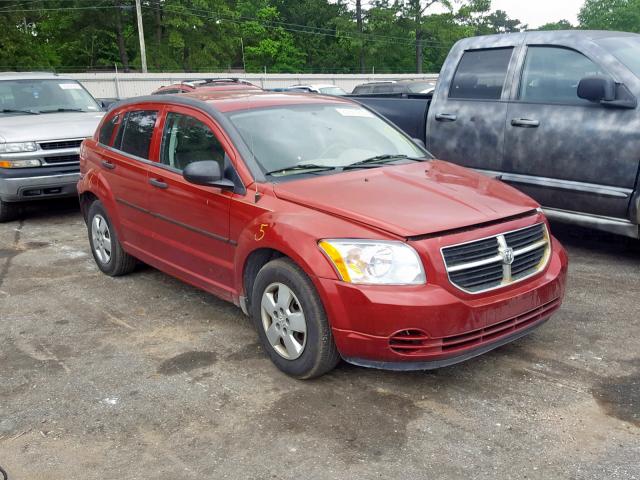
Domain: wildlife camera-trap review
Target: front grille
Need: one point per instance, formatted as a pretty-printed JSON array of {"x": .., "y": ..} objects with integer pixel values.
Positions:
[
  {"x": 60, "y": 144},
  {"x": 61, "y": 159},
  {"x": 496, "y": 261}
]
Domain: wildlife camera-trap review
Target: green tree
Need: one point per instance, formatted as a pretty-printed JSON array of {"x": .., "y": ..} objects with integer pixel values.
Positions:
[
  {"x": 623, "y": 15},
  {"x": 267, "y": 43},
  {"x": 559, "y": 25}
]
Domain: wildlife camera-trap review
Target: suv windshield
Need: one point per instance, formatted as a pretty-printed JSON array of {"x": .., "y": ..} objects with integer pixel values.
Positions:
[
  {"x": 625, "y": 49},
  {"x": 44, "y": 96},
  {"x": 332, "y": 91},
  {"x": 319, "y": 135}
]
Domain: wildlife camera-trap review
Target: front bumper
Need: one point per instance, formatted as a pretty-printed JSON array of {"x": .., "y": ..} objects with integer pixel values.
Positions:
[
  {"x": 429, "y": 326},
  {"x": 37, "y": 183}
]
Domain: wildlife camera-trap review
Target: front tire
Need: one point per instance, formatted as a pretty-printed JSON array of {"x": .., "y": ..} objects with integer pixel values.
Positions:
[
  {"x": 291, "y": 321},
  {"x": 8, "y": 211},
  {"x": 105, "y": 247}
]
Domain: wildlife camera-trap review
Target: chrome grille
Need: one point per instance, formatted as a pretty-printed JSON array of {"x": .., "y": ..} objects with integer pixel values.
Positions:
[
  {"x": 496, "y": 261},
  {"x": 60, "y": 144}
]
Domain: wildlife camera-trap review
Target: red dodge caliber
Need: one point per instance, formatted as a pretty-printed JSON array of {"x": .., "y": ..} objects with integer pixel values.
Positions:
[{"x": 334, "y": 231}]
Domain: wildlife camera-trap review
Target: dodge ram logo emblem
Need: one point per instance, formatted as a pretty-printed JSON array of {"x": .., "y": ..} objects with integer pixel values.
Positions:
[{"x": 507, "y": 256}]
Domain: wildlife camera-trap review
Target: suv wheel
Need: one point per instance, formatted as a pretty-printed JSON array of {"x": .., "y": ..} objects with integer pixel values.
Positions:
[
  {"x": 291, "y": 321},
  {"x": 8, "y": 211},
  {"x": 105, "y": 247}
]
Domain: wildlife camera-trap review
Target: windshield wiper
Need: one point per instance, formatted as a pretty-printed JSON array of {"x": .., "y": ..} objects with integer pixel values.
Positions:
[
  {"x": 299, "y": 168},
  {"x": 381, "y": 160},
  {"x": 13, "y": 110},
  {"x": 55, "y": 110}
]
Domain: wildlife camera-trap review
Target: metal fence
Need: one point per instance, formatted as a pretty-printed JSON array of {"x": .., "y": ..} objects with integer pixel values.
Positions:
[{"x": 124, "y": 85}]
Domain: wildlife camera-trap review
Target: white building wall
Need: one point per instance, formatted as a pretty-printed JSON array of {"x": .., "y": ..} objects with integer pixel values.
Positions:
[{"x": 124, "y": 85}]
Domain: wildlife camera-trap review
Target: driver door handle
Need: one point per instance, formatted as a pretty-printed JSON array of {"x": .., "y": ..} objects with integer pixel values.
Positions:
[
  {"x": 158, "y": 183},
  {"x": 108, "y": 165},
  {"x": 446, "y": 117},
  {"x": 525, "y": 123}
]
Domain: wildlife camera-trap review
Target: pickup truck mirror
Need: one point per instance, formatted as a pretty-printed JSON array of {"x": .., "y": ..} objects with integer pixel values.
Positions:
[
  {"x": 597, "y": 89},
  {"x": 207, "y": 172}
]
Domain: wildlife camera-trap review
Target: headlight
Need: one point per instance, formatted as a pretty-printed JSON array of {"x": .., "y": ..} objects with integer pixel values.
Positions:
[
  {"x": 374, "y": 262},
  {"x": 34, "y": 162},
  {"x": 18, "y": 147}
]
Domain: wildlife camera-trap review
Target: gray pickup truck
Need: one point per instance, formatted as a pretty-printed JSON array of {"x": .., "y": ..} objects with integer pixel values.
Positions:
[
  {"x": 553, "y": 113},
  {"x": 43, "y": 119}
]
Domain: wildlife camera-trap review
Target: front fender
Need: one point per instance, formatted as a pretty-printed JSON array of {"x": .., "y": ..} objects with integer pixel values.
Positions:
[{"x": 291, "y": 234}]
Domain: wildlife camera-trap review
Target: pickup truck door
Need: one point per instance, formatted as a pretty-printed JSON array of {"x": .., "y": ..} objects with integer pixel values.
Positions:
[
  {"x": 564, "y": 151},
  {"x": 467, "y": 115},
  {"x": 191, "y": 222}
]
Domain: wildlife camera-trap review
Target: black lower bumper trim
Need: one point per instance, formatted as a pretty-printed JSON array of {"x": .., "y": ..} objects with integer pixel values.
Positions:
[{"x": 445, "y": 362}]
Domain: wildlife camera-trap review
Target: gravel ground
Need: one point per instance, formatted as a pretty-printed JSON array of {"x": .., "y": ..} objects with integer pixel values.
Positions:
[{"x": 143, "y": 377}]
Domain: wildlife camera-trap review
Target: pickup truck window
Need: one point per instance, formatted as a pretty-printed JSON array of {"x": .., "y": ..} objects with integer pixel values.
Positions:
[
  {"x": 625, "y": 49},
  {"x": 481, "y": 74},
  {"x": 136, "y": 132},
  {"x": 186, "y": 140},
  {"x": 106, "y": 132},
  {"x": 552, "y": 74}
]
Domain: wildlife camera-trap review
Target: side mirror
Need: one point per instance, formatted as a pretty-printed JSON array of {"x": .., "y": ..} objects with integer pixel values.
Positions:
[
  {"x": 207, "y": 173},
  {"x": 597, "y": 89}
]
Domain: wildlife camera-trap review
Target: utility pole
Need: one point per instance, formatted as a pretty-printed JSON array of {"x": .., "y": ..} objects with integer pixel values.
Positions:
[
  {"x": 143, "y": 51},
  {"x": 360, "y": 32}
]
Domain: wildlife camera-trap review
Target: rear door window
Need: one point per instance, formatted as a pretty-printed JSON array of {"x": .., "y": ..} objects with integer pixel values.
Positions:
[
  {"x": 136, "y": 132},
  {"x": 481, "y": 74},
  {"x": 552, "y": 74},
  {"x": 106, "y": 132}
]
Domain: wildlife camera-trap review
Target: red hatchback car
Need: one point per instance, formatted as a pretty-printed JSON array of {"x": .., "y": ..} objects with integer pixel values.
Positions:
[{"x": 332, "y": 229}]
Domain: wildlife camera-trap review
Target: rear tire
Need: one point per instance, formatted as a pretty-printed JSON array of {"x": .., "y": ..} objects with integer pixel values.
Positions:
[
  {"x": 8, "y": 211},
  {"x": 105, "y": 247},
  {"x": 291, "y": 322}
]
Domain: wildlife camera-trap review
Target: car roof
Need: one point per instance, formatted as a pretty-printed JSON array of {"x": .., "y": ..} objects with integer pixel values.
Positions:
[
  {"x": 233, "y": 100},
  {"x": 31, "y": 76},
  {"x": 314, "y": 85}
]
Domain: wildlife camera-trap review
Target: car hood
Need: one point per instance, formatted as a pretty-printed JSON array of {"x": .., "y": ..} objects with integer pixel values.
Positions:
[
  {"x": 411, "y": 199},
  {"x": 48, "y": 126}
]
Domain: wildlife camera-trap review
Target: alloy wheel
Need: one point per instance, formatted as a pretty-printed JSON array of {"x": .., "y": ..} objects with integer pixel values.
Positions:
[
  {"x": 283, "y": 321},
  {"x": 101, "y": 239}
]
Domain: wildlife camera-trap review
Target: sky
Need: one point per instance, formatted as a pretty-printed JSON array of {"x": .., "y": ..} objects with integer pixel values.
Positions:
[{"x": 538, "y": 12}]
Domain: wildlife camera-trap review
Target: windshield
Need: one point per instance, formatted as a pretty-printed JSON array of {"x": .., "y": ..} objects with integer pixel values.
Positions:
[
  {"x": 421, "y": 87},
  {"x": 332, "y": 91},
  {"x": 625, "y": 49},
  {"x": 322, "y": 135},
  {"x": 44, "y": 96}
]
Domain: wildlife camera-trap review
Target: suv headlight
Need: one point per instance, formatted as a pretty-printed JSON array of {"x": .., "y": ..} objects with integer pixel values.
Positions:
[
  {"x": 375, "y": 262},
  {"x": 18, "y": 147},
  {"x": 32, "y": 162}
]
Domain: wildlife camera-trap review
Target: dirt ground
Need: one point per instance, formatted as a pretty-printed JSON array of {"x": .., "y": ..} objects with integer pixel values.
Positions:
[{"x": 143, "y": 377}]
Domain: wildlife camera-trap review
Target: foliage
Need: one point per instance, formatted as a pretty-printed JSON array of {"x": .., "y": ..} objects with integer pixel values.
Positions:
[
  {"x": 277, "y": 35},
  {"x": 623, "y": 15}
]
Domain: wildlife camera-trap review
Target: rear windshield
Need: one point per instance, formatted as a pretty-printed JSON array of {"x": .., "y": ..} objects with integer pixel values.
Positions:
[
  {"x": 44, "y": 96},
  {"x": 328, "y": 135},
  {"x": 625, "y": 49}
]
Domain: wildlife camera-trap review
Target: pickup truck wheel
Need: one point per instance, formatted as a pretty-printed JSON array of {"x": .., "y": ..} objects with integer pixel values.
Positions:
[
  {"x": 8, "y": 211},
  {"x": 291, "y": 321},
  {"x": 105, "y": 247}
]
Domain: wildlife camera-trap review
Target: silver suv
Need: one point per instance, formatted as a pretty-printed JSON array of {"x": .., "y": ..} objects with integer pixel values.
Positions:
[{"x": 43, "y": 120}]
